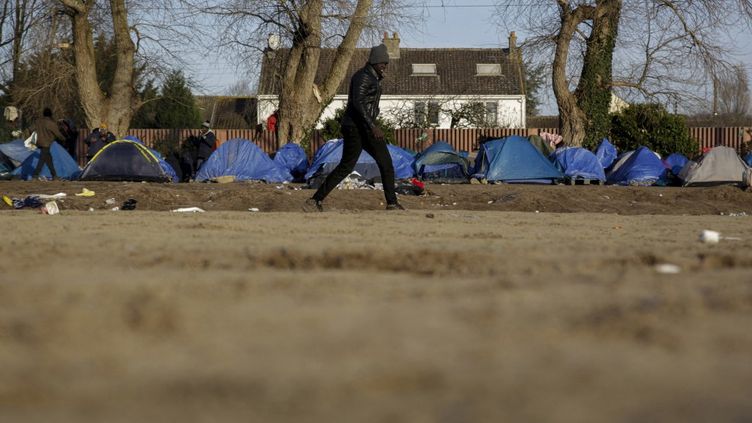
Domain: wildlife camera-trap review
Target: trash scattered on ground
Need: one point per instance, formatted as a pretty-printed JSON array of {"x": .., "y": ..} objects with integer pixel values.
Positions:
[
  {"x": 430, "y": 215},
  {"x": 116, "y": 208},
  {"x": 354, "y": 181},
  {"x": 50, "y": 208},
  {"x": 667, "y": 268},
  {"x": 31, "y": 202},
  {"x": 85, "y": 193},
  {"x": 490, "y": 201},
  {"x": 109, "y": 201},
  {"x": 710, "y": 237},
  {"x": 253, "y": 209},
  {"x": 129, "y": 204},
  {"x": 189, "y": 210},
  {"x": 91, "y": 209},
  {"x": 740, "y": 214},
  {"x": 224, "y": 179},
  {"x": 57, "y": 196},
  {"x": 7, "y": 200}
]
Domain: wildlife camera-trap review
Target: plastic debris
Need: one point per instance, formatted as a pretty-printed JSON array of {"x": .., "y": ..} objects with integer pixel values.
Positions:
[
  {"x": 129, "y": 204},
  {"x": 7, "y": 200},
  {"x": 667, "y": 268},
  {"x": 710, "y": 237},
  {"x": 189, "y": 210},
  {"x": 32, "y": 202},
  {"x": 109, "y": 201},
  {"x": 85, "y": 193},
  {"x": 57, "y": 196},
  {"x": 50, "y": 208},
  {"x": 253, "y": 209}
]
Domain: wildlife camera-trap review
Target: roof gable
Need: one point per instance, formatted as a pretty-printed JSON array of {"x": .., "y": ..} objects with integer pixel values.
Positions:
[{"x": 456, "y": 72}]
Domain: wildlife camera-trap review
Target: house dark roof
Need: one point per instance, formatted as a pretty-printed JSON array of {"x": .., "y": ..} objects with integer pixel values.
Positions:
[{"x": 455, "y": 72}]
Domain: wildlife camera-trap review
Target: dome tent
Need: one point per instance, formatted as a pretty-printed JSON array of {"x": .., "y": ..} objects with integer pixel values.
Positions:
[
  {"x": 65, "y": 166},
  {"x": 125, "y": 160},
  {"x": 243, "y": 160},
  {"x": 514, "y": 159}
]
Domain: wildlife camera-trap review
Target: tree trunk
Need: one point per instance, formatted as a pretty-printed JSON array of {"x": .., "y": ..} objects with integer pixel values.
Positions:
[
  {"x": 584, "y": 113},
  {"x": 117, "y": 110},
  {"x": 299, "y": 107}
]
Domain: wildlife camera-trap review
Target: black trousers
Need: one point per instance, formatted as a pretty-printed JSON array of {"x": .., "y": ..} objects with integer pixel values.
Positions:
[
  {"x": 358, "y": 139},
  {"x": 45, "y": 158}
]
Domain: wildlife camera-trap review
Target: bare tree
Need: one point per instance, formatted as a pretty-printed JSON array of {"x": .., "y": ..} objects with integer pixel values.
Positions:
[
  {"x": 18, "y": 18},
  {"x": 303, "y": 28},
  {"x": 732, "y": 91},
  {"x": 651, "y": 48}
]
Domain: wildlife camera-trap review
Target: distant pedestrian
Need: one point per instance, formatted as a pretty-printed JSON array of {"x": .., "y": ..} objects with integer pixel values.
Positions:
[
  {"x": 98, "y": 138},
  {"x": 47, "y": 133},
  {"x": 360, "y": 132},
  {"x": 206, "y": 144}
]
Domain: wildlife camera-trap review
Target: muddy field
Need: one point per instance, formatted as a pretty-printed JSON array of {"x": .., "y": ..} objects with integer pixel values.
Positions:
[{"x": 467, "y": 312}]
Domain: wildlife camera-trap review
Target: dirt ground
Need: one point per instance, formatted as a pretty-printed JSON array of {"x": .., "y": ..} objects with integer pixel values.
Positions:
[{"x": 473, "y": 312}]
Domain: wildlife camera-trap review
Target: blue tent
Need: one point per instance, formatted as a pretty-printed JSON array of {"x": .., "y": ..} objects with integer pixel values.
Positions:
[
  {"x": 578, "y": 163},
  {"x": 748, "y": 159},
  {"x": 675, "y": 162},
  {"x": 440, "y": 162},
  {"x": 293, "y": 158},
  {"x": 638, "y": 167},
  {"x": 245, "y": 161},
  {"x": 328, "y": 156},
  {"x": 16, "y": 151},
  {"x": 514, "y": 159},
  {"x": 606, "y": 153},
  {"x": 166, "y": 167},
  {"x": 65, "y": 166}
]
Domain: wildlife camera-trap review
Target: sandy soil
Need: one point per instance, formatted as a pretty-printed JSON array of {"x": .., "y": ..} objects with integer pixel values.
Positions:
[{"x": 452, "y": 314}]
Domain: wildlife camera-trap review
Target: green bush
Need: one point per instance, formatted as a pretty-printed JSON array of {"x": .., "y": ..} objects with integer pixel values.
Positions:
[
  {"x": 331, "y": 129},
  {"x": 650, "y": 125}
]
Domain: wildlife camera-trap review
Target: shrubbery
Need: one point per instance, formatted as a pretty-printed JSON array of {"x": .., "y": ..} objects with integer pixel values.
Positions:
[
  {"x": 650, "y": 125},
  {"x": 331, "y": 129}
]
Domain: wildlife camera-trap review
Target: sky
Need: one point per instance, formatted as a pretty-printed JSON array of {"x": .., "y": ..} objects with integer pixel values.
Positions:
[{"x": 459, "y": 23}]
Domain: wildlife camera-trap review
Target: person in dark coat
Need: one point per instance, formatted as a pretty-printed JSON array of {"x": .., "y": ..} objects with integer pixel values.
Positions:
[
  {"x": 47, "y": 133},
  {"x": 69, "y": 131},
  {"x": 206, "y": 144},
  {"x": 360, "y": 132},
  {"x": 98, "y": 138}
]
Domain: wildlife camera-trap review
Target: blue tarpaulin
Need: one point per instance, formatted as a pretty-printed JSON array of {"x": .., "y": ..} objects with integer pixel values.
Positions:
[
  {"x": 441, "y": 162},
  {"x": 748, "y": 159},
  {"x": 578, "y": 163},
  {"x": 245, "y": 161},
  {"x": 514, "y": 159},
  {"x": 16, "y": 151},
  {"x": 328, "y": 156},
  {"x": 639, "y": 167},
  {"x": 65, "y": 166},
  {"x": 293, "y": 158},
  {"x": 606, "y": 153},
  {"x": 675, "y": 162}
]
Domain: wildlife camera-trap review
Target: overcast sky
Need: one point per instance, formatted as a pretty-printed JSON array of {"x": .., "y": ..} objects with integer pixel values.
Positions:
[{"x": 462, "y": 24}]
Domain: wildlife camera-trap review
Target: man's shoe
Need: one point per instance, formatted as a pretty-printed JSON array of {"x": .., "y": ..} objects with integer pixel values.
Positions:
[
  {"x": 395, "y": 206},
  {"x": 311, "y": 205}
]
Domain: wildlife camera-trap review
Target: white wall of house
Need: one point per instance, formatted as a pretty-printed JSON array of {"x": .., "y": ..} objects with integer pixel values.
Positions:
[{"x": 510, "y": 109}]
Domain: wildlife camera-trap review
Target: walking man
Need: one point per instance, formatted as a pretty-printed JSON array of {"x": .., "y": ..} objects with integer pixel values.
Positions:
[
  {"x": 360, "y": 132},
  {"x": 206, "y": 144},
  {"x": 47, "y": 132}
]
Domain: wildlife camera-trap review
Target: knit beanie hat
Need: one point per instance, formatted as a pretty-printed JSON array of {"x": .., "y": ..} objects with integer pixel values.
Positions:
[{"x": 379, "y": 54}]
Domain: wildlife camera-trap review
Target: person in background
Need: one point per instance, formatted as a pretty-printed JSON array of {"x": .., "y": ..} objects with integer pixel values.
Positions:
[
  {"x": 272, "y": 123},
  {"x": 47, "y": 132},
  {"x": 206, "y": 144},
  {"x": 360, "y": 132},
  {"x": 98, "y": 138},
  {"x": 69, "y": 131}
]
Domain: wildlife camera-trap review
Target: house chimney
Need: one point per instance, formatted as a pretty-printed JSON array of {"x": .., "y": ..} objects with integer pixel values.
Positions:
[
  {"x": 512, "y": 42},
  {"x": 392, "y": 45}
]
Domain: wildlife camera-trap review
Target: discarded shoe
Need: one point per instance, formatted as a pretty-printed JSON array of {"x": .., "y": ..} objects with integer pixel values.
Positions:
[
  {"x": 129, "y": 204},
  {"x": 395, "y": 206},
  {"x": 311, "y": 205},
  {"x": 85, "y": 193}
]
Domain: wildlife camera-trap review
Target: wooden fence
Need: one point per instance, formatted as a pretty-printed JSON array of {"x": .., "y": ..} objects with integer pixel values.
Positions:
[{"x": 413, "y": 139}]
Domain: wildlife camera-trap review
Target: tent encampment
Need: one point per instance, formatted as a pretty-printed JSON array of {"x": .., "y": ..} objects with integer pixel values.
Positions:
[
  {"x": 578, "y": 163},
  {"x": 606, "y": 153},
  {"x": 125, "y": 160},
  {"x": 639, "y": 167},
  {"x": 65, "y": 166},
  {"x": 328, "y": 156},
  {"x": 514, "y": 159},
  {"x": 243, "y": 160},
  {"x": 721, "y": 165},
  {"x": 441, "y": 163},
  {"x": 16, "y": 151},
  {"x": 292, "y": 157}
]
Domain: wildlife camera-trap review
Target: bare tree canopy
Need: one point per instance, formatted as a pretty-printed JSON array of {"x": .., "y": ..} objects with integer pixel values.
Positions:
[{"x": 652, "y": 50}]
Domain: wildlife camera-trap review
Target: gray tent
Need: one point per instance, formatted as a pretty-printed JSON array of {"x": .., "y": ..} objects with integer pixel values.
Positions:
[{"x": 721, "y": 165}]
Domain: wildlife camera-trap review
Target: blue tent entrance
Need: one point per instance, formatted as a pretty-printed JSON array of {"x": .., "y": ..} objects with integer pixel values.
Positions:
[
  {"x": 638, "y": 167},
  {"x": 441, "y": 163},
  {"x": 578, "y": 163},
  {"x": 125, "y": 160},
  {"x": 293, "y": 158},
  {"x": 65, "y": 166},
  {"x": 514, "y": 159},
  {"x": 328, "y": 156},
  {"x": 245, "y": 161}
]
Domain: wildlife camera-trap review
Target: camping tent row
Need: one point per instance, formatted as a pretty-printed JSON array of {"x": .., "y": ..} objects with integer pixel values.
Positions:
[{"x": 512, "y": 160}]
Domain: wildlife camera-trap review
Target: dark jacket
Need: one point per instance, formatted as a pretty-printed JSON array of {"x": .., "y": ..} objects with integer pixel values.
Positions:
[
  {"x": 206, "y": 145},
  {"x": 96, "y": 141},
  {"x": 47, "y": 132},
  {"x": 363, "y": 98}
]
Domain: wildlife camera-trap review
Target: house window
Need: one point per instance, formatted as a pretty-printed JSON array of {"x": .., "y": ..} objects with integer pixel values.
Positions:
[
  {"x": 424, "y": 69},
  {"x": 488, "y": 69},
  {"x": 492, "y": 113},
  {"x": 426, "y": 113}
]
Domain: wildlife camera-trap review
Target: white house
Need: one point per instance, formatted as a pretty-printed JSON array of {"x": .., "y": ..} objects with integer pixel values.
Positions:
[{"x": 424, "y": 86}]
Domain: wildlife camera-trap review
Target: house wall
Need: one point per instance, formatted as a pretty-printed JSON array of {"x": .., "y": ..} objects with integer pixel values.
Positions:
[{"x": 511, "y": 108}]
